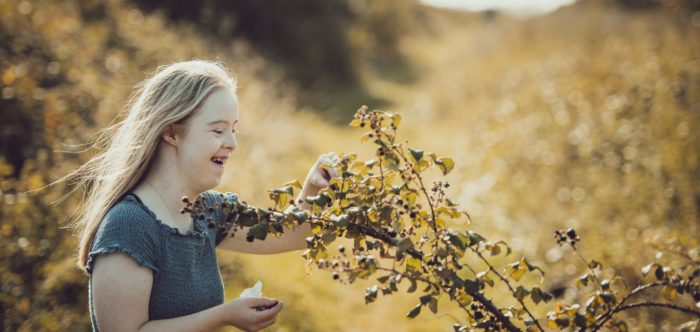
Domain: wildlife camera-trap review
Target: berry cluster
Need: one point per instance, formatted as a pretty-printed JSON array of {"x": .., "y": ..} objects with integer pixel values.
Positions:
[{"x": 567, "y": 236}]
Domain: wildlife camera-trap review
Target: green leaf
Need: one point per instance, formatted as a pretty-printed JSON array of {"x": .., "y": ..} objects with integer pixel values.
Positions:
[
  {"x": 594, "y": 264},
  {"x": 417, "y": 154},
  {"x": 472, "y": 286},
  {"x": 520, "y": 293},
  {"x": 582, "y": 280},
  {"x": 475, "y": 238},
  {"x": 414, "y": 312},
  {"x": 404, "y": 244},
  {"x": 259, "y": 231},
  {"x": 432, "y": 305},
  {"x": 562, "y": 322},
  {"x": 496, "y": 247},
  {"x": 300, "y": 216},
  {"x": 341, "y": 220},
  {"x": 608, "y": 297},
  {"x": 537, "y": 295},
  {"x": 459, "y": 240},
  {"x": 531, "y": 267},
  {"x": 371, "y": 294},
  {"x": 384, "y": 279},
  {"x": 413, "y": 287},
  {"x": 659, "y": 273}
]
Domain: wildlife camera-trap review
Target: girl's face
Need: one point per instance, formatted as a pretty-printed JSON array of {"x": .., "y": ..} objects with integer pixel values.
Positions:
[{"x": 208, "y": 141}]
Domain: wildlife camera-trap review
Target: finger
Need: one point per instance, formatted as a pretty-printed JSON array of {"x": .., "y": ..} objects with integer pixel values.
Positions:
[
  {"x": 261, "y": 302},
  {"x": 270, "y": 313},
  {"x": 326, "y": 174}
]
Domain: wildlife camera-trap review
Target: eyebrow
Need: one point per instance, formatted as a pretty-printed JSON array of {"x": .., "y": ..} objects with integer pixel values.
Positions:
[{"x": 221, "y": 121}]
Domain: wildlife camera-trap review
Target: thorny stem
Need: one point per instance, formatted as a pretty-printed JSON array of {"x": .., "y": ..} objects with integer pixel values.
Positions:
[
  {"x": 432, "y": 284},
  {"x": 662, "y": 305},
  {"x": 606, "y": 316},
  {"x": 416, "y": 254},
  {"x": 585, "y": 262},
  {"x": 512, "y": 291},
  {"x": 433, "y": 224},
  {"x": 677, "y": 253},
  {"x": 377, "y": 235}
]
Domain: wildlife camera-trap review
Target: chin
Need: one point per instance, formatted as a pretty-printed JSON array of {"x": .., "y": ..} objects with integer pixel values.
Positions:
[{"x": 215, "y": 183}]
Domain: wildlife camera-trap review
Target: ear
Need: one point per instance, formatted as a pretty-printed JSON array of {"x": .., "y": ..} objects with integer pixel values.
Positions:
[{"x": 171, "y": 135}]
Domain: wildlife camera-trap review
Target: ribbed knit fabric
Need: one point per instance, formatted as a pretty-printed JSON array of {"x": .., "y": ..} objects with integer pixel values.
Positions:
[{"x": 186, "y": 277}]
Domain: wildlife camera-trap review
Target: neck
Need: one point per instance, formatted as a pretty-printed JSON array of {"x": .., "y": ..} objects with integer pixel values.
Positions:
[{"x": 166, "y": 182}]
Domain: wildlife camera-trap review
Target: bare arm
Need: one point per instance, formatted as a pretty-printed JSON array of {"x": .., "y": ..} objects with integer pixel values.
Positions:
[
  {"x": 122, "y": 289},
  {"x": 289, "y": 241}
]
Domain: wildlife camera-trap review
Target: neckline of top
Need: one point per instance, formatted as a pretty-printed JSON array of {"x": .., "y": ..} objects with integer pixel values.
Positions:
[{"x": 196, "y": 232}]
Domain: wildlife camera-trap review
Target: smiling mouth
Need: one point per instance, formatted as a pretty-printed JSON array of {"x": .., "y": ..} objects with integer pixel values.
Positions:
[{"x": 218, "y": 161}]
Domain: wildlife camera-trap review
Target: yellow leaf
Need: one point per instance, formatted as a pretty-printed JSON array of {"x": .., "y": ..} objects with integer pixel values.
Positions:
[
  {"x": 669, "y": 293},
  {"x": 517, "y": 270},
  {"x": 355, "y": 123},
  {"x": 446, "y": 164},
  {"x": 441, "y": 222},
  {"x": 412, "y": 264},
  {"x": 422, "y": 165},
  {"x": 293, "y": 183},
  {"x": 396, "y": 120}
]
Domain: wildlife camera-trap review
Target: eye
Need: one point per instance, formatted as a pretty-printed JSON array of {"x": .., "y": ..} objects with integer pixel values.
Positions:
[{"x": 218, "y": 131}]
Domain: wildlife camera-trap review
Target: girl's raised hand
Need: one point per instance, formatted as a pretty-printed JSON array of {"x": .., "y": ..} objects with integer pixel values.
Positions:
[
  {"x": 251, "y": 314},
  {"x": 318, "y": 176}
]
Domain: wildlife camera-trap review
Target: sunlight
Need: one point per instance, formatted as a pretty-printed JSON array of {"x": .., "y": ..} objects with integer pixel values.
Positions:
[{"x": 511, "y": 6}]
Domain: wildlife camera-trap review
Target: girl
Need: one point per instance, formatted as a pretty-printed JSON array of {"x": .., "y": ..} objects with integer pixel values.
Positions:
[{"x": 151, "y": 268}]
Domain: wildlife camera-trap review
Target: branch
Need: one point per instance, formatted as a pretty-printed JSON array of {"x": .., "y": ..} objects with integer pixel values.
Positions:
[
  {"x": 385, "y": 238},
  {"x": 686, "y": 310},
  {"x": 427, "y": 281},
  {"x": 605, "y": 317},
  {"x": 422, "y": 187},
  {"x": 512, "y": 291}
]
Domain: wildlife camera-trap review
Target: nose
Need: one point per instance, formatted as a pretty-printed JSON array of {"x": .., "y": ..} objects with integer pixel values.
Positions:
[{"x": 230, "y": 142}]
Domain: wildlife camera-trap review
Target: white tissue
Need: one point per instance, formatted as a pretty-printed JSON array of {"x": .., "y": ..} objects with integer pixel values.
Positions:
[{"x": 255, "y": 291}]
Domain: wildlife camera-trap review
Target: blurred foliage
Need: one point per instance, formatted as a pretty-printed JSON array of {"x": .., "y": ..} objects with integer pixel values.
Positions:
[
  {"x": 322, "y": 44},
  {"x": 655, "y": 4},
  {"x": 584, "y": 118}
]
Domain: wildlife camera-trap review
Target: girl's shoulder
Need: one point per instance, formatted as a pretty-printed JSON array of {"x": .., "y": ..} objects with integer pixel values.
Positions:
[{"x": 129, "y": 212}]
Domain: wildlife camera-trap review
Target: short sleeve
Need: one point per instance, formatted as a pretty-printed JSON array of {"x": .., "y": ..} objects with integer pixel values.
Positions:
[
  {"x": 129, "y": 229},
  {"x": 222, "y": 223}
]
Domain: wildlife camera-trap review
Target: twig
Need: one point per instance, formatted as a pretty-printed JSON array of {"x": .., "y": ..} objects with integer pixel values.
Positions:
[{"x": 505, "y": 281}]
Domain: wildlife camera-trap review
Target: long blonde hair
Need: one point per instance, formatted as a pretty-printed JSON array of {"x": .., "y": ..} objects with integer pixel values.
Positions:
[{"x": 126, "y": 148}]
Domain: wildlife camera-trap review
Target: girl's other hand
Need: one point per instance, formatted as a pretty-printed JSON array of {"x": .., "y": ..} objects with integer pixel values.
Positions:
[
  {"x": 320, "y": 177},
  {"x": 251, "y": 314}
]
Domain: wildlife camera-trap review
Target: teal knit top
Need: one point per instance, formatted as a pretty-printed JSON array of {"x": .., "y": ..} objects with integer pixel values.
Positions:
[{"x": 186, "y": 277}]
